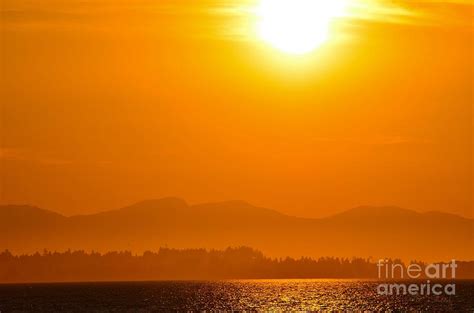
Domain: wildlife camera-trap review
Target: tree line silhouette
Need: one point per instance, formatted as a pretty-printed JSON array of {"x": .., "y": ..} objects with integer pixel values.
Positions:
[{"x": 231, "y": 263}]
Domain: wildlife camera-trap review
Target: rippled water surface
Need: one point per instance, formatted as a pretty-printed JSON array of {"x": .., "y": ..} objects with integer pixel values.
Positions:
[{"x": 239, "y": 295}]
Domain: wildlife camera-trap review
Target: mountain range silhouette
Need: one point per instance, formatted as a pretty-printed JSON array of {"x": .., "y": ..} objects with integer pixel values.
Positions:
[{"x": 170, "y": 222}]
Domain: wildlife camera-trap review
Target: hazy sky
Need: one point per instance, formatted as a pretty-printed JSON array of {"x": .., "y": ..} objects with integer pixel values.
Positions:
[{"x": 105, "y": 103}]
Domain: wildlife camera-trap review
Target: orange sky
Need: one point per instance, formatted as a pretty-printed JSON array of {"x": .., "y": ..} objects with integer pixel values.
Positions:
[{"x": 105, "y": 103}]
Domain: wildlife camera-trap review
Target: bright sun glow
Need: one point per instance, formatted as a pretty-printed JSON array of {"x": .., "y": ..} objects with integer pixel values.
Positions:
[{"x": 297, "y": 26}]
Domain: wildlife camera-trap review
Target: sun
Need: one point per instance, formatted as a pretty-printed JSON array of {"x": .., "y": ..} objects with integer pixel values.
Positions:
[{"x": 297, "y": 26}]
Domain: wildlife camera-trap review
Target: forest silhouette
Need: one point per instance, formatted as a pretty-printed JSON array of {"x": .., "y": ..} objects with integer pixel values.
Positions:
[{"x": 175, "y": 264}]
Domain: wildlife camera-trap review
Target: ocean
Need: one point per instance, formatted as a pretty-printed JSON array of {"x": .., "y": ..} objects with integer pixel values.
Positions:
[{"x": 229, "y": 295}]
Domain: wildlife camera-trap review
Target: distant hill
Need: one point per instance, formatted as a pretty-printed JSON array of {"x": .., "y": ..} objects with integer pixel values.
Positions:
[{"x": 148, "y": 225}]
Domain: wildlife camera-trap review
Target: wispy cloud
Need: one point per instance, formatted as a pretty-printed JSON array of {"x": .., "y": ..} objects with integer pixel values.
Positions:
[
  {"x": 372, "y": 140},
  {"x": 231, "y": 18},
  {"x": 418, "y": 12},
  {"x": 13, "y": 154}
]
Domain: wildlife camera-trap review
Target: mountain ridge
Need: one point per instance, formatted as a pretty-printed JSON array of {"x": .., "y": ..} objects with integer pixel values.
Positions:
[
  {"x": 362, "y": 231},
  {"x": 181, "y": 203}
]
